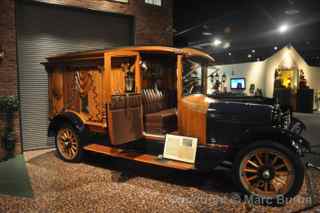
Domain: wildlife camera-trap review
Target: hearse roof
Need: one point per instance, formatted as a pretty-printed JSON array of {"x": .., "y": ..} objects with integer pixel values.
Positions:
[{"x": 95, "y": 54}]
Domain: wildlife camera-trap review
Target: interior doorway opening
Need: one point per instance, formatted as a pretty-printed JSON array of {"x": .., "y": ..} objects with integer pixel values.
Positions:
[{"x": 159, "y": 93}]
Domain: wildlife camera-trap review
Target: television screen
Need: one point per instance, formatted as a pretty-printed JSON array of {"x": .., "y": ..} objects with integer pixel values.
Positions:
[{"x": 238, "y": 83}]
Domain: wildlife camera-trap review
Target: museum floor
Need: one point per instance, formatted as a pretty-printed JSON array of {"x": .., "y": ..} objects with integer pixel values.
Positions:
[{"x": 102, "y": 184}]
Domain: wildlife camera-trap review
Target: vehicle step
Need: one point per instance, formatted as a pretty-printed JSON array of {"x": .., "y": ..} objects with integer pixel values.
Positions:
[{"x": 139, "y": 157}]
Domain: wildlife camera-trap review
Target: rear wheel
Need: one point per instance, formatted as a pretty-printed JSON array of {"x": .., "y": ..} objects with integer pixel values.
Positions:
[
  {"x": 268, "y": 171},
  {"x": 68, "y": 144}
]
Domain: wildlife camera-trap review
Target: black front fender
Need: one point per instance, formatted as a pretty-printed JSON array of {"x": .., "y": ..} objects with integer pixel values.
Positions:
[
  {"x": 283, "y": 136},
  {"x": 66, "y": 117}
]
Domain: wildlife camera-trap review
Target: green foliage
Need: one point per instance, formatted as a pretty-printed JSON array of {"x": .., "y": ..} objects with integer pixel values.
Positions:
[{"x": 9, "y": 104}]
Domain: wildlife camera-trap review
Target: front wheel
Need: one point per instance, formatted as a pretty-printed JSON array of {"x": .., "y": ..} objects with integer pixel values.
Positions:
[
  {"x": 68, "y": 144},
  {"x": 269, "y": 172}
]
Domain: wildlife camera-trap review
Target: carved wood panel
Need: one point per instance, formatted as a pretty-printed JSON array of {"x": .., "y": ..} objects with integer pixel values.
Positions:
[
  {"x": 78, "y": 90},
  {"x": 71, "y": 94},
  {"x": 56, "y": 92},
  {"x": 95, "y": 100}
]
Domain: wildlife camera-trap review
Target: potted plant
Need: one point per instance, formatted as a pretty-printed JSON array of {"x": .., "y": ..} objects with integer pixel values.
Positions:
[{"x": 8, "y": 106}]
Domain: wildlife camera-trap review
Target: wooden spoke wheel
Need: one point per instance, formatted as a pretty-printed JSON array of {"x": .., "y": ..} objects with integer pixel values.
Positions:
[
  {"x": 68, "y": 144},
  {"x": 268, "y": 170}
]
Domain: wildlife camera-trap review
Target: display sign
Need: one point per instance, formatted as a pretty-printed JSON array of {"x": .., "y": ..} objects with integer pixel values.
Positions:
[{"x": 180, "y": 148}]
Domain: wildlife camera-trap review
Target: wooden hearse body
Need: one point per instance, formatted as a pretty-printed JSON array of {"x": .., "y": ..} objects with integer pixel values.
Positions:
[{"x": 133, "y": 97}]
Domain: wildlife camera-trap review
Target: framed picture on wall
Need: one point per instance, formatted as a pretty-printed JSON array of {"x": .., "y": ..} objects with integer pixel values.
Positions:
[{"x": 120, "y": 1}]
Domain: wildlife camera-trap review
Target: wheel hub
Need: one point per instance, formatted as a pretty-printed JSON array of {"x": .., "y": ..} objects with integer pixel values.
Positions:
[
  {"x": 266, "y": 173},
  {"x": 66, "y": 143}
]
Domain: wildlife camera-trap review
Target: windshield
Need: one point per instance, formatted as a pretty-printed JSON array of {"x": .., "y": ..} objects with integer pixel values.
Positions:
[{"x": 193, "y": 74}]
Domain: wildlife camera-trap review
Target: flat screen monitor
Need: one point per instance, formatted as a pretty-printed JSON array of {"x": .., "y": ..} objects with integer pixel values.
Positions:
[{"x": 238, "y": 83}]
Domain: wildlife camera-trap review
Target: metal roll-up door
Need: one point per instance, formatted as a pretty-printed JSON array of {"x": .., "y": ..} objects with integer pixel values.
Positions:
[{"x": 44, "y": 30}]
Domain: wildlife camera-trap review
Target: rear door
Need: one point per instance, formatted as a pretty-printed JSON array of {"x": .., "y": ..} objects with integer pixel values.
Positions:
[{"x": 123, "y": 93}]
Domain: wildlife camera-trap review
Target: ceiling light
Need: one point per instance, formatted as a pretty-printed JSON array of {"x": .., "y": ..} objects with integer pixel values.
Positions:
[
  {"x": 206, "y": 33},
  {"x": 283, "y": 28},
  {"x": 226, "y": 45},
  {"x": 253, "y": 51},
  {"x": 229, "y": 54},
  {"x": 275, "y": 48},
  {"x": 292, "y": 12},
  {"x": 249, "y": 56},
  {"x": 217, "y": 42}
]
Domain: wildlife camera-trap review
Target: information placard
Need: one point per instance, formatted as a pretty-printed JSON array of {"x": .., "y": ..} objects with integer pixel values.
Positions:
[{"x": 180, "y": 148}]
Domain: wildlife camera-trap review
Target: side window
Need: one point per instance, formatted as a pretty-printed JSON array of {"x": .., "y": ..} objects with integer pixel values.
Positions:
[
  {"x": 192, "y": 77},
  {"x": 154, "y": 2}
]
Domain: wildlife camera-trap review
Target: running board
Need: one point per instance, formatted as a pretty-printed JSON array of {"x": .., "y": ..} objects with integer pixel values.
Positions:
[{"x": 139, "y": 157}]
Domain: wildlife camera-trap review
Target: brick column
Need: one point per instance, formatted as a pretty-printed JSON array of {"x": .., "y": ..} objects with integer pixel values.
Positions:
[{"x": 8, "y": 65}]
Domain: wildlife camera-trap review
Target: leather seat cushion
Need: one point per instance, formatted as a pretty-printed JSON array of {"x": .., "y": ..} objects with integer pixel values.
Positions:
[{"x": 161, "y": 122}]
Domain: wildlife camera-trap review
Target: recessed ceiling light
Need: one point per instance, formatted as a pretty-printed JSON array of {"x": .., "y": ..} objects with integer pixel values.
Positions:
[
  {"x": 275, "y": 48},
  {"x": 206, "y": 33},
  {"x": 249, "y": 56},
  {"x": 226, "y": 45},
  {"x": 292, "y": 12},
  {"x": 216, "y": 42},
  {"x": 229, "y": 54},
  {"x": 283, "y": 28},
  {"x": 253, "y": 51}
]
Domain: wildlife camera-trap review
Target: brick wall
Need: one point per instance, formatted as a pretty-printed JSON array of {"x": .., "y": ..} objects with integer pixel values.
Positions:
[
  {"x": 152, "y": 23},
  {"x": 8, "y": 65},
  {"x": 152, "y": 26}
]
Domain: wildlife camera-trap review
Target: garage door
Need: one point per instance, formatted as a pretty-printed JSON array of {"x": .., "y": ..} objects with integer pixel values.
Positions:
[{"x": 44, "y": 31}]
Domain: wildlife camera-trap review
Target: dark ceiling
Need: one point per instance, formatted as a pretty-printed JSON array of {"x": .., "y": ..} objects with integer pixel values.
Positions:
[{"x": 250, "y": 26}]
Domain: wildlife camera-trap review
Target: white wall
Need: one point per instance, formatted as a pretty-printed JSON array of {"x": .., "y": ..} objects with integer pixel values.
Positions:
[
  {"x": 262, "y": 73},
  {"x": 313, "y": 77},
  {"x": 252, "y": 72},
  {"x": 284, "y": 58}
]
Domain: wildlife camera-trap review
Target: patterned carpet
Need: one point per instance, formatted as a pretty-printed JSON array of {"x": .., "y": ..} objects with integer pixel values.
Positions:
[{"x": 102, "y": 184}]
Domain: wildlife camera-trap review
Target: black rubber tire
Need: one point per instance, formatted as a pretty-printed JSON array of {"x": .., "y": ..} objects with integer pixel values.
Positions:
[
  {"x": 80, "y": 152},
  {"x": 299, "y": 172}
]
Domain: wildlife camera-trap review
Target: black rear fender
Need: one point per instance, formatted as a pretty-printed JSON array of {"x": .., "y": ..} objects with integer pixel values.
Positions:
[{"x": 65, "y": 118}]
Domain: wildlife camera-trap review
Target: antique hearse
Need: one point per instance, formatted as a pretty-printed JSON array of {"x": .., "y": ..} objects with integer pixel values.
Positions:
[{"x": 149, "y": 104}]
